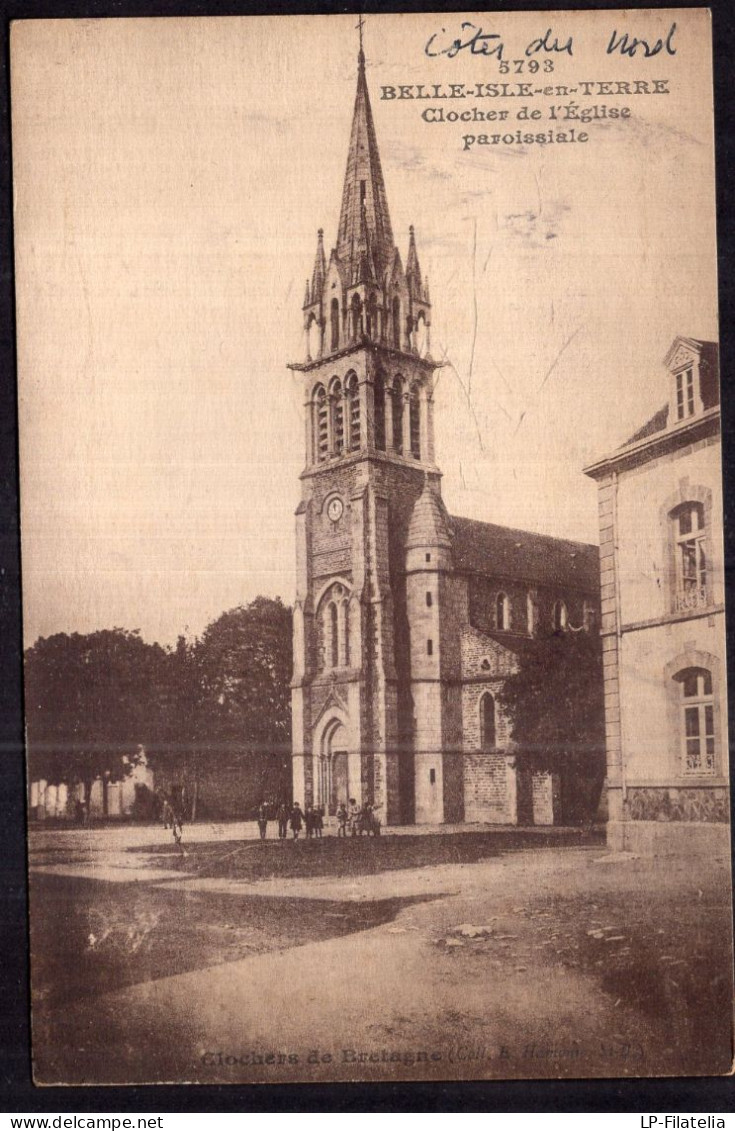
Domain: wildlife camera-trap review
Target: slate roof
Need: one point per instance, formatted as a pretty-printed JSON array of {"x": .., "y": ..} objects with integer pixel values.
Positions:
[
  {"x": 709, "y": 369},
  {"x": 500, "y": 551},
  {"x": 657, "y": 423},
  {"x": 429, "y": 525}
]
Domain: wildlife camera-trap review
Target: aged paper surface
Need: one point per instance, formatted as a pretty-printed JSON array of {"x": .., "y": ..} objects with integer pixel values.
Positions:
[{"x": 456, "y": 805}]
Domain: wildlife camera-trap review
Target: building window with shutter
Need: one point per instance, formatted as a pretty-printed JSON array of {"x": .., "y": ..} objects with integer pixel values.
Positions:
[
  {"x": 689, "y": 535},
  {"x": 697, "y": 720}
]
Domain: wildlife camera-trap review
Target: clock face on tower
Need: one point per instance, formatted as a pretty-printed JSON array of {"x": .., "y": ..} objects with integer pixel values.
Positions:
[{"x": 334, "y": 509}]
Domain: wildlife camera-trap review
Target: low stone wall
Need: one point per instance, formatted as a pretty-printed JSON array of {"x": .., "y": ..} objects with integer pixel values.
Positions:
[
  {"x": 707, "y": 804},
  {"x": 664, "y": 838}
]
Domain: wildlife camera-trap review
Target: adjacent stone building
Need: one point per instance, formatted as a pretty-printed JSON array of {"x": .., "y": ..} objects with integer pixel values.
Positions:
[
  {"x": 663, "y": 628},
  {"x": 407, "y": 620}
]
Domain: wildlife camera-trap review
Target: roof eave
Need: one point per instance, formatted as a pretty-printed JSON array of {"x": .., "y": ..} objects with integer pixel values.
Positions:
[{"x": 656, "y": 444}]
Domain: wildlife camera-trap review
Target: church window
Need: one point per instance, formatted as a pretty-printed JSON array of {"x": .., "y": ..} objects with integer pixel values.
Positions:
[
  {"x": 429, "y": 600},
  {"x": 690, "y": 550},
  {"x": 415, "y": 415},
  {"x": 396, "y": 327},
  {"x": 697, "y": 714},
  {"x": 338, "y": 416},
  {"x": 346, "y": 633},
  {"x": 352, "y": 397},
  {"x": 487, "y": 721},
  {"x": 334, "y": 322},
  {"x": 371, "y": 318},
  {"x": 429, "y": 647},
  {"x": 684, "y": 394},
  {"x": 333, "y": 626},
  {"x": 312, "y": 337},
  {"x": 588, "y": 615},
  {"x": 502, "y": 612},
  {"x": 398, "y": 415},
  {"x": 530, "y": 613},
  {"x": 422, "y": 335},
  {"x": 379, "y": 412},
  {"x": 356, "y": 312},
  {"x": 428, "y": 557},
  {"x": 322, "y": 422},
  {"x": 560, "y": 616},
  {"x": 432, "y": 776}
]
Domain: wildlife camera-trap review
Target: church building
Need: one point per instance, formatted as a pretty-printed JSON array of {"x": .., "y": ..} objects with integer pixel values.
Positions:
[{"x": 407, "y": 620}]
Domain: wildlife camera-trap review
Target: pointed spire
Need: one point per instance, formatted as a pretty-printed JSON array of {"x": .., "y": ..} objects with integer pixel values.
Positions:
[
  {"x": 364, "y": 188},
  {"x": 429, "y": 524},
  {"x": 320, "y": 267},
  {"x": 413, "y": 271}
]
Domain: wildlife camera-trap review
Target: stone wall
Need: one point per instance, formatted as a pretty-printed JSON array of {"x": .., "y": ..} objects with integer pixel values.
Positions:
[
  {"x": 654, "y": 803},
  {"x": 489, "y": 793}
]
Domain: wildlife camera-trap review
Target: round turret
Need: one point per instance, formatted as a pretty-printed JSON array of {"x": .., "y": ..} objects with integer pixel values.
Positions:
[{"x": 429, "y": 539}]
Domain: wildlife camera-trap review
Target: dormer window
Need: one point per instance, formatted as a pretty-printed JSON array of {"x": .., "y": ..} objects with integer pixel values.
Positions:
[
  {"x": 685, "y": 400},
  {"x": 693, "y": 381}
]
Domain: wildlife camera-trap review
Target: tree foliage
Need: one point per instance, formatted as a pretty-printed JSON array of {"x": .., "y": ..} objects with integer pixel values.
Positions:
[
  {"x": 91, "y": 702},
  {"x": 555, "y": 704},
  {"x": 217, "y": 705},
  {"x": 243, "y": 663}
]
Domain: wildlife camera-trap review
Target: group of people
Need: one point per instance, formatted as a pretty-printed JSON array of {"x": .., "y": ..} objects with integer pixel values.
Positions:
[
  {"x": 311, "y": 820},
  {"x": 358, "y": 819}
]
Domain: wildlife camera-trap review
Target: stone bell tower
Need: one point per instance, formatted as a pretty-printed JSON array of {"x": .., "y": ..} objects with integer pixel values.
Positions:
[{"x": 369, "y": 455}]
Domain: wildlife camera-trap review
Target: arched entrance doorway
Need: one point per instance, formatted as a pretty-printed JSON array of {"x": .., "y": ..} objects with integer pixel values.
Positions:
[{"x": 332, "y": 778}]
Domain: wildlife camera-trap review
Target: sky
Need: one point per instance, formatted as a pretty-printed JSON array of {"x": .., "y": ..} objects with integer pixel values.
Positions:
[{"x": 170, "y": 176}]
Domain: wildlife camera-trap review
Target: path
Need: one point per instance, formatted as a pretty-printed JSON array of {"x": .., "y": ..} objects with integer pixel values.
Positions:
[{"x": 536, "y": 994}]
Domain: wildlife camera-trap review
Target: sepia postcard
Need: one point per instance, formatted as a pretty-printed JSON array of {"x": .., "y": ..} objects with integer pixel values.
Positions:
[{"x": 372, "y": 547}]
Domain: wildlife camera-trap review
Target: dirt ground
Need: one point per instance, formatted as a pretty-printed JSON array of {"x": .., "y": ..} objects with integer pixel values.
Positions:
[
  {"x": 478, "y": 957},
  {"x": 349, "y": 856}
]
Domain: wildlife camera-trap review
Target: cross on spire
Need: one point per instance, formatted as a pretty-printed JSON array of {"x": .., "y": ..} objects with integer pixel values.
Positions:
[{"x": 359, "y": 25}]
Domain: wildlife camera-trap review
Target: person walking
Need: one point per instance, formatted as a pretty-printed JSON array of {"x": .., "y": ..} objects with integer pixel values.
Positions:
[
  {"x": 353, "y": 815},
  {"x": 342, "y": 819},
  {"x": 309, "y": 821},
  {"x": 263, "y": 820},
  {"x": 296, "y": 820},
  {"x": 282, "y": 818},
  {"x": 318, "y": 822}
]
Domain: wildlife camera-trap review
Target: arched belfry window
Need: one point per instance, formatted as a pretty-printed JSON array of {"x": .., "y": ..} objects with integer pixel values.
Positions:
[
  {"x": 334, "y": 322},
  {"x": 379, "y": 411},
  {"x": 422, "y": 335},
  {"x": 396, "y": 322},
  {"x": 697, "y": 720},
  {"x": 356, "y": 315},
  {"x": 487, "y": 721},
  {"x": 338, "y": 416},
  {"x": 398, "y": 415},
  {"x": 352, "y": 403},
  {"x": 502, "y": 612},
  {"x": 371, "y": 318},
  {"x": 415, "y": 413},
  {"x": 312, "y": 337},
  {"x": 321, "y": 423}
]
